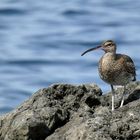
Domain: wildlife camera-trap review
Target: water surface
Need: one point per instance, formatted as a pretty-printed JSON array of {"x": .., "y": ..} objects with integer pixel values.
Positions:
[{"x": 41, "y": 43}]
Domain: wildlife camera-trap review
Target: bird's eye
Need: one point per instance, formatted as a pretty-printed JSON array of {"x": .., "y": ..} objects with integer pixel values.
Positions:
[{"x": 109, "y": 45}]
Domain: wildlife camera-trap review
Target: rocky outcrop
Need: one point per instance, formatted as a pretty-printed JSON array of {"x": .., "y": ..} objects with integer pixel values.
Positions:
[{"x": 70, "y": 112}]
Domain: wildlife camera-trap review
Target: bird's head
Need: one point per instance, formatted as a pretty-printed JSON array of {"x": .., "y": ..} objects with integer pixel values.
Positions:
[{"x": 107, "y": 46}]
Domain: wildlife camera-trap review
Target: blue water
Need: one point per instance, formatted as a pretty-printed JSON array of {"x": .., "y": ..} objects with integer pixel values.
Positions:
[{"x": 41, "y": 43}]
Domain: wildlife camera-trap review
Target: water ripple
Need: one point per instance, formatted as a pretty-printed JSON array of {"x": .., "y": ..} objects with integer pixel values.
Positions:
[
  {"x": 73, "y": 12},
  {"x": 39, "y": 62},
  {"x": 11, "y": 11}
]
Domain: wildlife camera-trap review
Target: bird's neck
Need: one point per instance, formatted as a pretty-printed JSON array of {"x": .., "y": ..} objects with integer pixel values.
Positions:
[{"x": 110, "y": 55}]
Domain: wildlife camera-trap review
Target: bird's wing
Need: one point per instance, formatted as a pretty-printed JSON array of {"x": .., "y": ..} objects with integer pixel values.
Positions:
[{"x": 129, "y": 65}]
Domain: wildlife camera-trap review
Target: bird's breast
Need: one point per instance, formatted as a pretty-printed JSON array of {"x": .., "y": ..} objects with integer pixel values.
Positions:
[
  {"x": 107, "y": 69},
  {"x": 106, "y": 63}
]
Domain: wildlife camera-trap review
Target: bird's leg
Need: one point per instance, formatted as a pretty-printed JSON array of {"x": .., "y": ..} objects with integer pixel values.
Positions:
[
  {"x": 122, "y": 99},
  {"x": 113, "y": 97}
]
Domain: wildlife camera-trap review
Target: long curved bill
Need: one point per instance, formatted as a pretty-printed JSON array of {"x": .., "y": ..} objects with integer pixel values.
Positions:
[{"x": 92, "y": 49}]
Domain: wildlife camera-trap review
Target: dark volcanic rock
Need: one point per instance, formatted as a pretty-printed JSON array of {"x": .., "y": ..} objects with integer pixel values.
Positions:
[{"x": 68, "y": 112}]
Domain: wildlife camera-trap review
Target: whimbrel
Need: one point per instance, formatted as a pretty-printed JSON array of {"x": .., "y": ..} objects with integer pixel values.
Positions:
[{"x": 115, "y": 69}]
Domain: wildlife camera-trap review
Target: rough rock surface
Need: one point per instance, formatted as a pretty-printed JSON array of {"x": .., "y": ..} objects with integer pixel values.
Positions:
[{"x": 70, "y": 112}]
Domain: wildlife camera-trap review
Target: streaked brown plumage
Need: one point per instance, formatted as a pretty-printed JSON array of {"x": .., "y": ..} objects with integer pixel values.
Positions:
[{"x": 115, "y": 69}]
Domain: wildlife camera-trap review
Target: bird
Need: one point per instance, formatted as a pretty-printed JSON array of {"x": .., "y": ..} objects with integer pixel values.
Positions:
[{"x": 114, "y": 68}]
